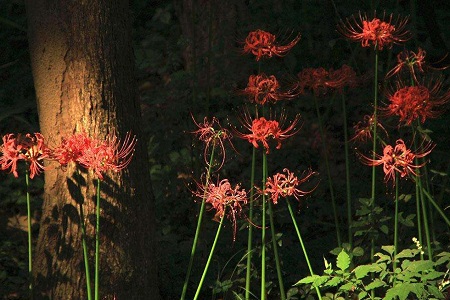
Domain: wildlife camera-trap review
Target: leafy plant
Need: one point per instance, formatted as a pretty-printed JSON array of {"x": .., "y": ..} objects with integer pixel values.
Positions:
[{"x": 413, "y": 277}]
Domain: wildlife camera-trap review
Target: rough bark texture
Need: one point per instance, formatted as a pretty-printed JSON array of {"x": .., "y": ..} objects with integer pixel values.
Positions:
[{"x": 83, "y": 71}]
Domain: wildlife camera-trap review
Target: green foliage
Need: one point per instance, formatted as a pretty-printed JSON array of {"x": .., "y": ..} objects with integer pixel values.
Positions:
[{"x": 422, "y": 279}]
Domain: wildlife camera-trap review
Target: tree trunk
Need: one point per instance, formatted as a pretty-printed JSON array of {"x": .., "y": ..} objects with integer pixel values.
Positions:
[{"x": 83, "y": 69}]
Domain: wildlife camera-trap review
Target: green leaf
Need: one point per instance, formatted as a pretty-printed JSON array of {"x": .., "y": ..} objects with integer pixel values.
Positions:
[
  {"x": 358, "y": 251},
  {"x": 334, "y": 281},
  {"x": 376, "y": 283},
  {"x": 347, "y": 287},
  {"x": 420, "y": 266},
  {"x": 407, "y": 253},
  {"x": 307, "y": 280},
  {"x": 362, "y": 295},
  {"x": 384, "y": 229},
  {"x": 435, "y": 292},
  {"x": 321, "y": 280},
  {"x": 362, "y": 271},
  {"x": 388, "y": 249},
  {"x": 343, "y": 260}
]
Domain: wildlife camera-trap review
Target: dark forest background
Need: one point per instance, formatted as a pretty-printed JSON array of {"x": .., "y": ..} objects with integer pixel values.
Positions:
[{"x": 189, "y": 62}]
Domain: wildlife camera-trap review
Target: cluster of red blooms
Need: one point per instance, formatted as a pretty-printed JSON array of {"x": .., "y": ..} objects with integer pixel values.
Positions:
[
  {"x": 375, "y": 32},
  {"x": 398, "y": 159},
  {"x": 285, "y": 185},
  {"x": 320, "y": 81},
  {"x": 411, "y": 61},
  {"x": 262, "y": 130},
  {"x": 416, "y": 102},
  {"x": 211, "y": 136},
  {"x": 100, "y": 156},
  {"x": 30, "y": 148},
  {"x": 223, "y": 197},
  {"x": 262, "y": 44},
  {"x": 262, "y": 89},
  {"x": 364, "y": 129}
]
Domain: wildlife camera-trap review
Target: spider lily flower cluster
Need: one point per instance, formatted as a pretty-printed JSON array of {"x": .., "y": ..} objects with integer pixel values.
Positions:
[
  {"x": 286, "y": 184},
  {"x": 398, "y": 159},
  {"x": 99, "y": 155},
  {"x": 223, "y": 198},
  {"x": 320, "y": 81},
  {"x": 262, "y": 89},
  {"x": 420, "y": 102},
  {"x": 212, "y": 134},
  {"x": 262, "y": 131},
  {"x": 263, "y": 44},
  {"x": 30, "y": 148},
  {"x": 375, "y": 32}
]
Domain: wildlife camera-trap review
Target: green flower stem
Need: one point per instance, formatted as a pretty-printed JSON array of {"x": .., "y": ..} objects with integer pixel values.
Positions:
[
  {"x": 275, "y": 251},
  {"x": 209, "y": 257},
  {"x": 374, "y": 151},
  {"x": 85, "y": 254},
  {"x": 197, "y": 230},
  {"x": 30, "y": 250},
  {"x": 419, "y": 218},
  {"x": 439, "y": 210},
  {"x": 395, "y": 225},
  {"x": 419, "y": 187},
  {"x": 425, "y": 217},
  {"x": 347, "y": 175},
  {"x": 374, "y": 147},
  {"x": 330, "y": 182},
  {"x": 250, "y": 229},
  {"x": 303, "y": 246},
  {"x": 263, "y": 232},
  {"x": 97, "y": 243}
]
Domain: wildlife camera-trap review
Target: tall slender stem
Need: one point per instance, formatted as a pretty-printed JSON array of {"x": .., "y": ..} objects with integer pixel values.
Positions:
[
  {"x": 439, "y": 210},
  {"x": 197, "y": 230},
  {"x": 275, "y": 252},
  {"x": 30, "y": 248},
  {"x": 85, "y": 254},
  {"x": 250, "y": 228},
  {"x": 330, "y": 182},
  {"x": 209, "y": 257},
  {"x": 374, "y": 147},
  {"x": 395, "y": 225},
  {"x": 303, "y": 246},
  {"x": 419, "y": 218},
  {"x": 97, "y": 243},
  {"x": 347, "y": 175},
  {"x": 263, "y": 232}
]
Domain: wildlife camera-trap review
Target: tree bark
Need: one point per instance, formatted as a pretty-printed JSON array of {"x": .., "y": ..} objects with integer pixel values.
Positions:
[{"x": 83, "y": 70}]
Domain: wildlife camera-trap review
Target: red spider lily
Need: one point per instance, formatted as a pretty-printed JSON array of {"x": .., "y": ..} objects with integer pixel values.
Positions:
[
  {"x": 212, "y": 136},
  {"x": 262, "y": 130},
  {"x": 31, "y": 149},
  {"x": 223, "y": 197},
  {"x": 262, "y": 89},
  {"x": 72, "y": 148},
  {"x": 262, "y": 44},
  {"x": 398, "y": 159},
  {"x": 376, "y": 32},
  {"x": 416, "y": 102},
  {"x": 364, "y": 129},
  {"x": 320, "y": 81},
  {"x": 285, "y": 185},
  {"x": 111, "y": 154},
  {"x": 413, "y": 62}
]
